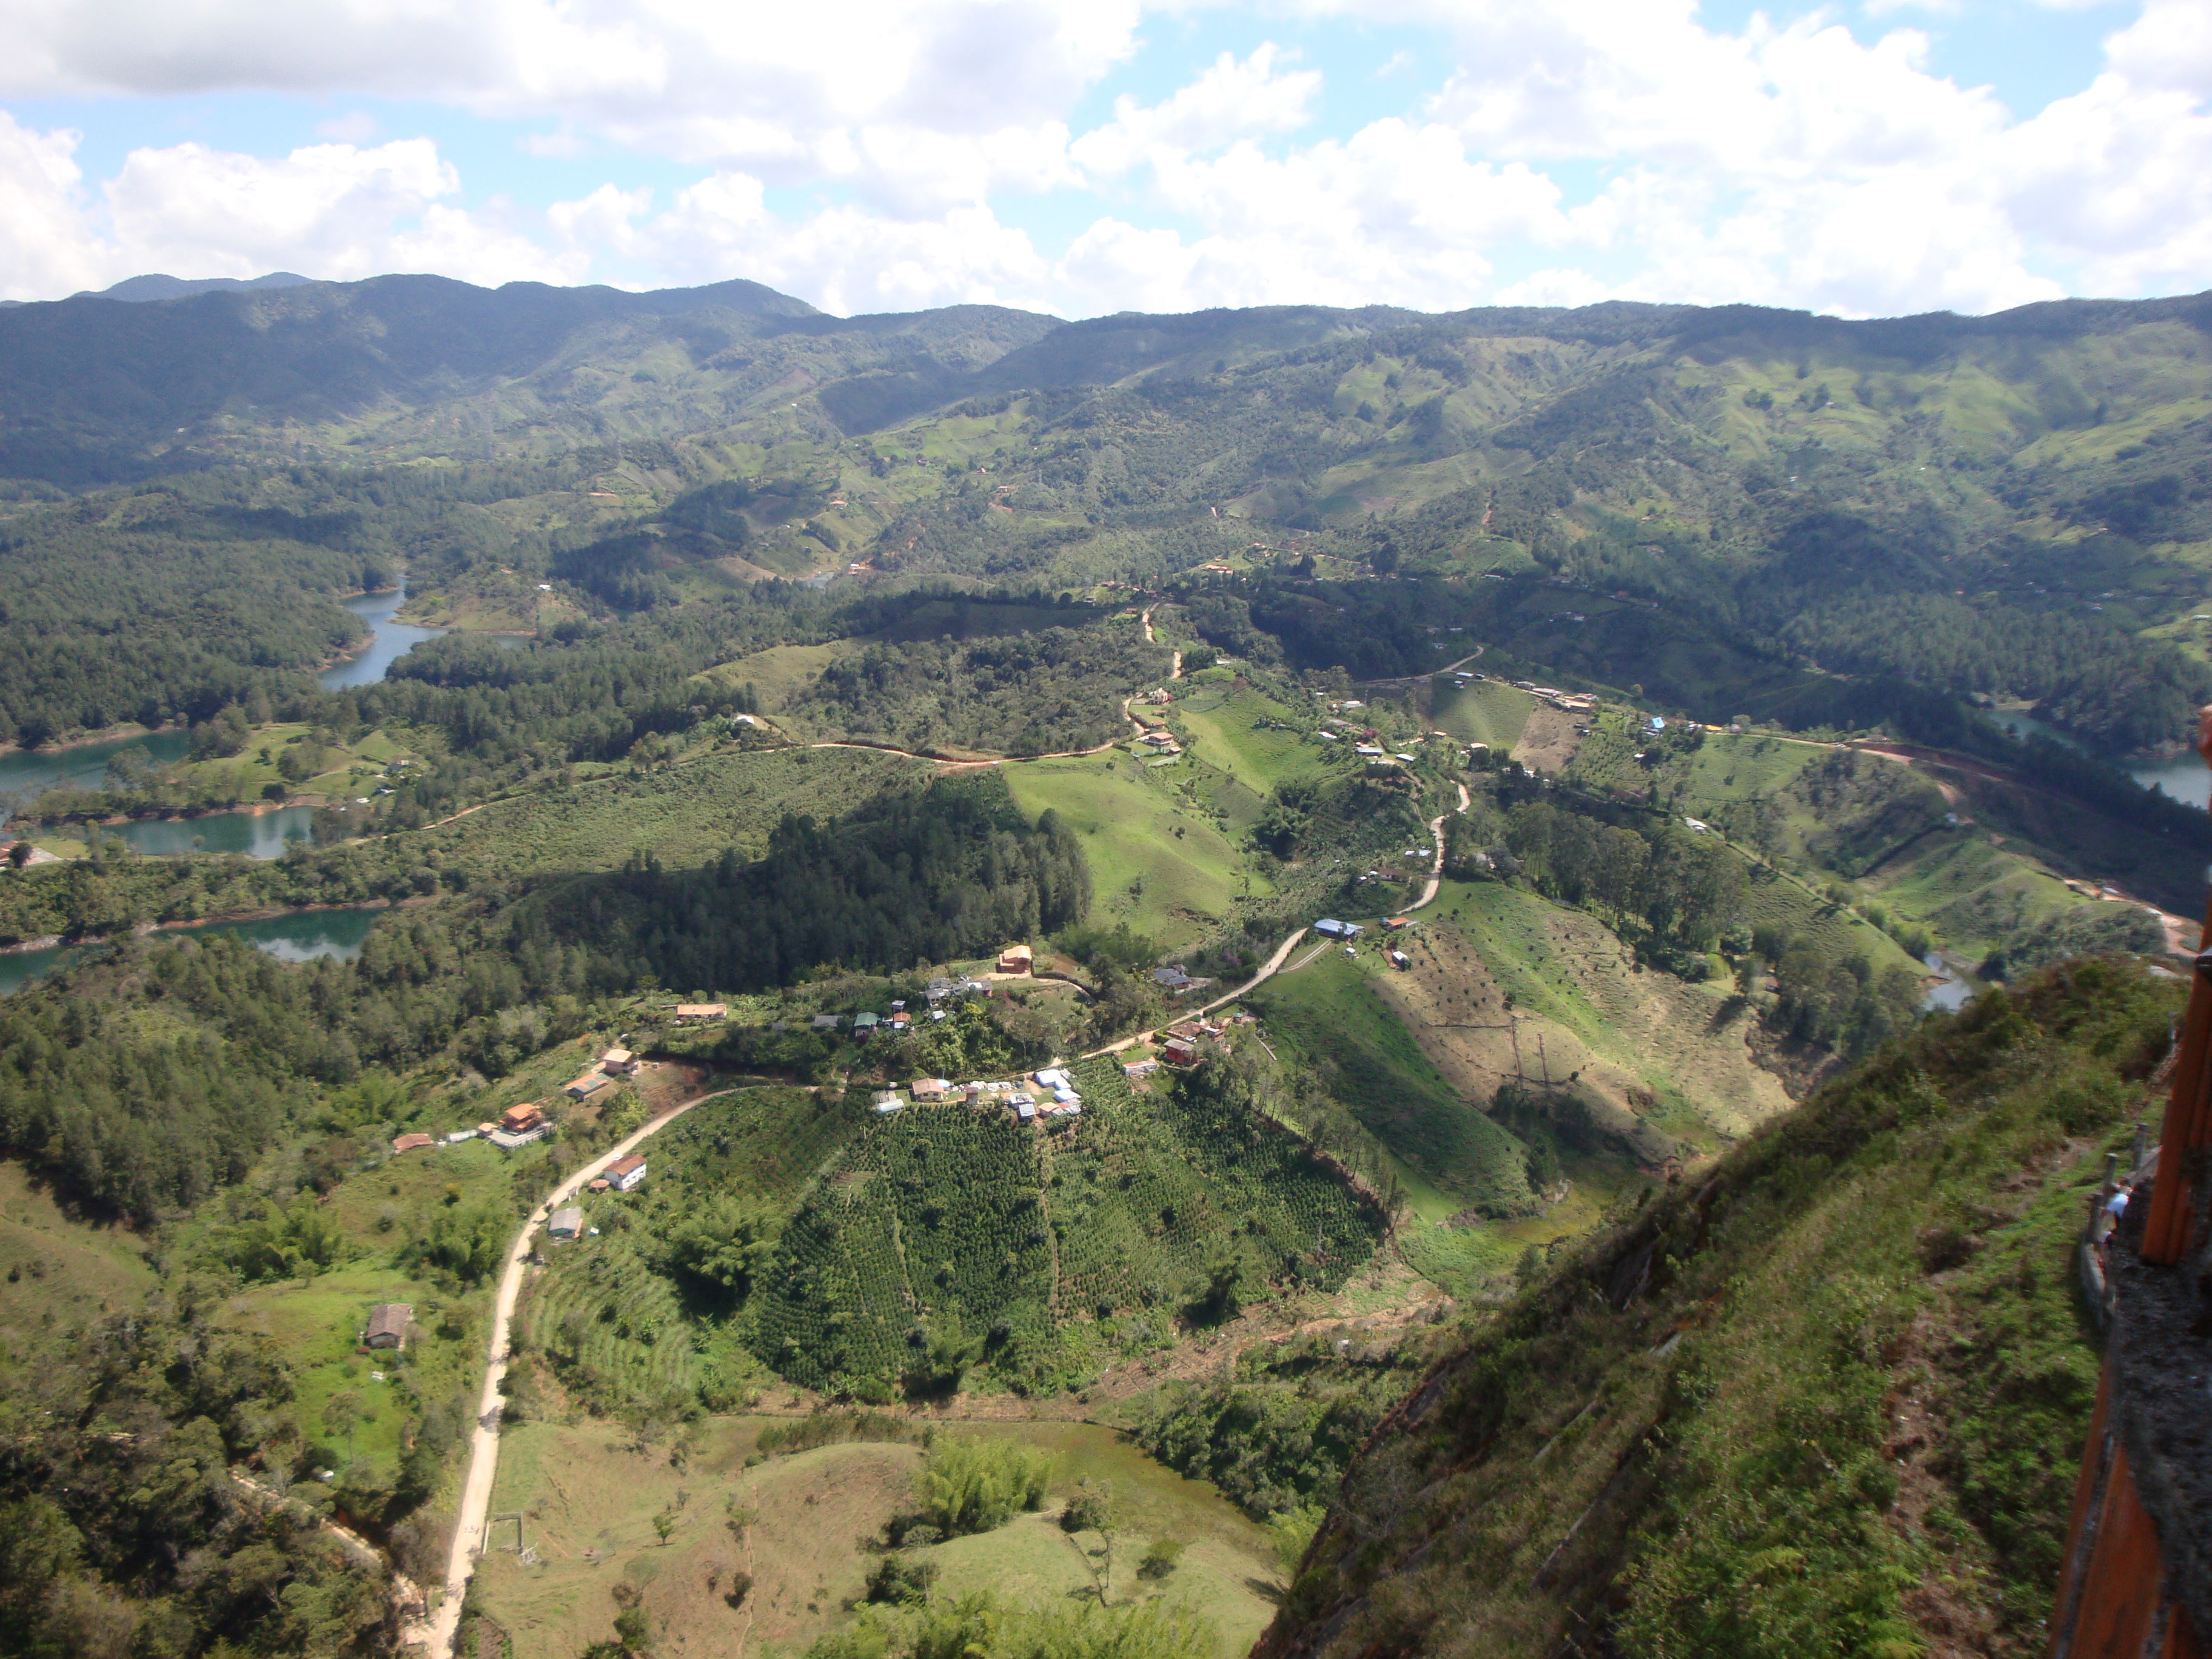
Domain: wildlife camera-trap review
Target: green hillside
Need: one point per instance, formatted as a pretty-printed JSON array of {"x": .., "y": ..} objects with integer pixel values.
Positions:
[{"x": 1827, "y": 1400}]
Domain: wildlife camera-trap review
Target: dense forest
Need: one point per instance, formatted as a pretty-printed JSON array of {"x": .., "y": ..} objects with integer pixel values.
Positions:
[{"x": 148, "y": 1117}]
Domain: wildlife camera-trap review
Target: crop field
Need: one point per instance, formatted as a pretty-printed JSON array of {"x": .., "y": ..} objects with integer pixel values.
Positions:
[
  {"x": 609, "y": 1326},
  {"x": 1481, "y": 711},
  {"x": 1158, "y": 861},
  {"x": 953, "y": 1219},
  {"x": 1225, "y": 728},
  {"x": 587, "y": 1499}
]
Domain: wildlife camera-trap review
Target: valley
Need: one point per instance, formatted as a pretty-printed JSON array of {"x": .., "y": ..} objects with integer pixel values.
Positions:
[{"x": 1154, "y": 896}]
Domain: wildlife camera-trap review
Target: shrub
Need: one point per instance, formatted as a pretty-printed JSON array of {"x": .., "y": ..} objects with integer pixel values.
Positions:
[{"x": 972, "y": 1485}]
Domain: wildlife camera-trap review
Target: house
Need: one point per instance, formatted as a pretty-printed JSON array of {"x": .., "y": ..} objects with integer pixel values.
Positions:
[
  {"x": 864, "y": 1025},
  {"x": 1050, "y": 1077},
  {"x": 387, "y": 1325},
  {"x": 1393, "y": 923},
  {"x": 585, "y": 1087},
  {"x": 939, "y": 989},
  {"x": 929, "y": 1089},
  {"x": 566, "y": 1224},
  {"x": 1372, "y": 750},
  {"x": 1335, "y": 929},
  {"x": 1408, "y": 759},
  {"x": 825, "y": 1022},
  {"x": 1140, "y": 1068},
  {"x": 1024, "y": 1112},
  {"x": 1180, "y": 1051},
  {"x": 618, "y": 1062},
  {"x": 519, "y": 1120},
  {"x": 901, "y": 1020},
  {"x": 687, "y": 1012},
  {"x": 410, "y": 1143},
  {"x": 1017, "y": 959},
  {"x": 624, "y": 1175},
  {"x": 1400, "y": 959}
]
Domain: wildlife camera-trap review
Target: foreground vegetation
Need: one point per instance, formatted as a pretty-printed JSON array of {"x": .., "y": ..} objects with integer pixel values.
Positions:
[{"x": 1669, "y": 1439}]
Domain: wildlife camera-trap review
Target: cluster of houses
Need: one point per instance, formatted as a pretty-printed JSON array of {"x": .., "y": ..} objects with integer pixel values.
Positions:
[
  {"x": 522, "y": 1124},
  {"x": 1572, "y": 702},
  {"x": 1054, "y": 1095}
]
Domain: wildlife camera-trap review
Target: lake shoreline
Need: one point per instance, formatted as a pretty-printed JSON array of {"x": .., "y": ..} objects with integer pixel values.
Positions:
[{"x": 262, "y": 913}]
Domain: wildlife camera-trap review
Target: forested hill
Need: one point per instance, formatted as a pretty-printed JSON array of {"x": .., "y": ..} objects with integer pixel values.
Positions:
[
  {"x": 2014, "y": 508},
  {"x": 1826, "y": 1400}
]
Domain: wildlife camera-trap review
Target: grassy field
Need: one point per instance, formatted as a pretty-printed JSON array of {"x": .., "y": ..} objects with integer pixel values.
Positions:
[
  {"x": 780, "y": 672},
  {"x": 56, "y": 1269},
  {"x": 1482, "y": 711},
  {"x": 1223, "y": 727},
  {"x": 1158, "y": 862},
  {"x": 587, "y": 1499},
  {"x": 686, "y": 813}
]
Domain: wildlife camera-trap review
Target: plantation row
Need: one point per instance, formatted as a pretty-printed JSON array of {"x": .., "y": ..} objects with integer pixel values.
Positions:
[{"x": 612, "y": 1329}]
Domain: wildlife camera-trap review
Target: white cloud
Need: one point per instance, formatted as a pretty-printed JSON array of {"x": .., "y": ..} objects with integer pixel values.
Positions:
[
  {"x": 1581, "y": 147},
  {"x": 1232, "y": 101}
]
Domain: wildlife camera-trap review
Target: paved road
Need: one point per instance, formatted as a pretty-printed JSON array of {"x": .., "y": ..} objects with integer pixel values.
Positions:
[{"x": 437, "y": 1632}]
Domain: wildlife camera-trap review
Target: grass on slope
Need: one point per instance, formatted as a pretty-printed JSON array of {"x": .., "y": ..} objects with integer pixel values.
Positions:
[
  {"x": 1827, "y": 1403},
  {"x": 60, "y": 1270},
  {"x": 1225, "y": 726},
  {"x": 589, "y": 1500},
  {"x": 1482, "y": 711},
  {"x": 1362, "y": 1055},
  {"x": 684, "y": 814},
  {"x": 1157, "y": 862}
]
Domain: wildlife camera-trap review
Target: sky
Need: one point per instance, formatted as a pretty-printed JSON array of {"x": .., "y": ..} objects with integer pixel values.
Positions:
[{"x": 1087, "y": 157}]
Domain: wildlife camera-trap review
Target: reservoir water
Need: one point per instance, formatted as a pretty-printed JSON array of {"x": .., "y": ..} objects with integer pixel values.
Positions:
[
  {"x": 25, "y": 775},
  {"x": 388, "y": 640},
  {"x": 2185, "y": 777},
  {"x": 303, "y": 936}
]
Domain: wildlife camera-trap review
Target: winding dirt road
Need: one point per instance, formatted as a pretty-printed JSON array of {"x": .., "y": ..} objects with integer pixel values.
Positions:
[{"x": 437, "y": 1632}]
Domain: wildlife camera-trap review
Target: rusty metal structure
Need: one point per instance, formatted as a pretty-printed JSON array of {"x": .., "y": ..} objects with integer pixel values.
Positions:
[{"x": 2137, "y": 1578}]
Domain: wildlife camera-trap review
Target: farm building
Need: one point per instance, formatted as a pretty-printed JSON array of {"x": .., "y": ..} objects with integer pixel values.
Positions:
[
  {"x": 1017, "y": 959},
  {"x": 387, "y": 1325},
  {"x": 625, "y": 1174},
  {"x": 686, "y": 1013},
  {"x": 1335, "y": 929},
  {"x": 454, "y": 1137},
  {"x": 888, "y": 1102},
  {"x": 618, "y": 1062},
  {"x": 1400, "y": 959},
  {"x": 411, "y": 1143},
  {"x": 586, "y": 1086},
  {"x": 566, "y": 1224}
]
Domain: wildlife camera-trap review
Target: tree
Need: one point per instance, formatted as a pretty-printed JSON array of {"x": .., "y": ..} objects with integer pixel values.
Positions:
[
  {"x": 341, "y": 1413},
  {"x": 1094, "y": 1507},
  {"x": 665, "y": 1524}
]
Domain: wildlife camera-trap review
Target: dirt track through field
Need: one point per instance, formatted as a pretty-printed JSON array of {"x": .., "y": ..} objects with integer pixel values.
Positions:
[{"x": 440, "y": 1629}]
